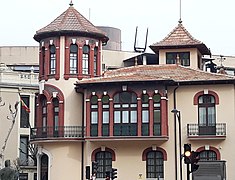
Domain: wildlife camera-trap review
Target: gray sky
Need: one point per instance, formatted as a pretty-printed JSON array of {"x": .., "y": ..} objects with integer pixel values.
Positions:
[{"x": 211, "y": 22}]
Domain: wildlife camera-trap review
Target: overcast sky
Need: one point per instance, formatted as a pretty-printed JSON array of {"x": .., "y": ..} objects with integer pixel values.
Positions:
[{"x": 211, "y": 22}]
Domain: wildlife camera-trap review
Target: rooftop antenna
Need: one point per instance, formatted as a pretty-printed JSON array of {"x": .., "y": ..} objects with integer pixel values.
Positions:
[
  {"x": 140, "y": 49},
  {"x": 180, "y": 21}
]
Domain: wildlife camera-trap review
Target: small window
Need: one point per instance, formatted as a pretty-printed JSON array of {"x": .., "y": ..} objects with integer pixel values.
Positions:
[
  {"x": 85, "y": 59},
  {"x": 73, "y": 58},
  {"x": 184, "y": 57},
  {"x": 52, "y": 59},
  {"x": 24, "y": 112}
]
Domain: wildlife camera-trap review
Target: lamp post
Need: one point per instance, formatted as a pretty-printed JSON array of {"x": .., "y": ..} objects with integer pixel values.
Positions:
[{"x": 178, "y": 116}]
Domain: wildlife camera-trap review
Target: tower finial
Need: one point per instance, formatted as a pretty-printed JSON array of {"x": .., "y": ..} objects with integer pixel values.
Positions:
[
  {"x": 71, "y": 3},
  {"x": 180, "y": 21}
]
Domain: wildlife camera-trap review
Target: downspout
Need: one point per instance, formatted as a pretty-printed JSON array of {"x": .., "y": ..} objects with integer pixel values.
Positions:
[{"x": 175, "y": 136}]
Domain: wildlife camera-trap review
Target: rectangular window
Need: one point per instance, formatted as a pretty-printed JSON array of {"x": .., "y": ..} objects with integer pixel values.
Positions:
[
  {"x": 85, "y": 64},
  {"x": 24, "y": 112},
  {"x": 145, "y": 116},
  {"x": 73, "y": 63},
  {"x": 52, "y": 64},
  {"x": 125, "y": 116},
  {"x": 24, "y": 142},
  {"x": 133, "y": 116},
  {"x": 105, "y": 117},
  {"x": 117, "y": 117},
  {"x": 94, "y": 117},
  {"x": 184, "y": 57}
]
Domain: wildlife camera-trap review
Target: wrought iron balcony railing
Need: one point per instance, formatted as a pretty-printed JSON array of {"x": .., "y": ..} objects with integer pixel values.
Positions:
[
  {"x": 57, "y": 132},
  {"x": 218, "y": 129}
]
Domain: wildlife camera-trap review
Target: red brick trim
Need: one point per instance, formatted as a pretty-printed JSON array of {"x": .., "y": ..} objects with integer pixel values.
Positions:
[
  {"x": 106, "y": 149},
  {"x": 196, "y": 96},
  {"x": 218, "y": 156},
  {"x": 144, "y": 154}
]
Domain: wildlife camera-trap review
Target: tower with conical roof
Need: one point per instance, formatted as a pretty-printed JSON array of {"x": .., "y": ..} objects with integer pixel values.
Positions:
[
  {"x": 180, "y": 47},
  {"x": 70, "y": 50}
]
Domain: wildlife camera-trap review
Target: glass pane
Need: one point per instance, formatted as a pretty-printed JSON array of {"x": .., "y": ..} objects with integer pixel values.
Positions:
[
  {"x": 156, "y": 116},
  {"x": 94, "y": 117},
  {"x": 156, "y": 98},
  {"x": 145, "y": 98},
  {"x": 74, "y": 48},
  {"x": 133, "y": 116},
  {"x": 117, "y": 117},
  {"x": 202, "y": 116},
  {"x": 105, "y": 99},
  {"x": 125, "y": 116},
  {"x": 145, "y": 116},
  {"x": 125, "y": 105},
  {"x": 211, "y": 116},
  {"x": 105, "y": 117},
  {"x": 94, "y": 100}
]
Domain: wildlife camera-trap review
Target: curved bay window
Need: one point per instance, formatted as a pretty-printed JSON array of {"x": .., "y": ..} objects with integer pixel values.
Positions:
[
  {"x": 52, "y": 59},
  {"x": 104, "y": 160},
  {"x": 145, "y": 114},
  {"x": 85, "y": 59},
  {"x": 55, "y": 117},
  {"x": 94, "y": 116},
  {"x": 157, "y": 115},
  {"x": 154, "y": 164},
  {"x": 206, "y": 114},
  {"x": 73, "y": 59},
  {"x": 95, "y": 60},
  {"x": 125, "y": 114},
  {"x": 208, "y": 155},
  {"x": 105, "y": 115}
]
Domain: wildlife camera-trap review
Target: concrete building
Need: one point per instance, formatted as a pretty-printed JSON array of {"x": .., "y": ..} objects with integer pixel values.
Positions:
[{"x": 122, "y": 118}]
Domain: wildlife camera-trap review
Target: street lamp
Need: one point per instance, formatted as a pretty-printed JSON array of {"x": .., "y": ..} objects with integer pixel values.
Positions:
[{"x": 178, "y": 116}]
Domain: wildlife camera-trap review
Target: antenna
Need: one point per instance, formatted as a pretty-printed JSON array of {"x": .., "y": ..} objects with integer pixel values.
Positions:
[
  {"x": 180, "y": 21},
  {"x": 140, "y": 49}
]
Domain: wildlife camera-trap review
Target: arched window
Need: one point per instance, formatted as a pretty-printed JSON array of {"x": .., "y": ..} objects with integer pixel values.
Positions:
[
  {"x": 105, "y": 115},
  {"x": 145, "y": 114},
  {"x": 85, "y": 59},
  {"x": 208, "y": 155},
  {"x": 56, "y": 116},
  {"x": 94, "y": 116},
  {"x": 95, "y": 60},
  {"x": 157, "y": 115},
  {"x": 206, "y": 114},
  {"x": 104, "y": 160},
  {"x": 52, "y": 59},
  {"x": 125, "y": 114},
  {"x": 44, "y": 167},
  {"x": 73, "y": 59},
  {"x": 154, "y": 164},
  {"x": 44, "y": 114}
]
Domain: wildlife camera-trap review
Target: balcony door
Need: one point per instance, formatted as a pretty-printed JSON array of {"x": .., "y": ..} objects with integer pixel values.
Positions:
[{"x": 207, "y": 119}]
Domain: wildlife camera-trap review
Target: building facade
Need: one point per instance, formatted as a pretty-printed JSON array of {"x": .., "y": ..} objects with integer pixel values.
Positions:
[
  {"x": 122, "y": 118},
  {"x": 21, "y": 88}
]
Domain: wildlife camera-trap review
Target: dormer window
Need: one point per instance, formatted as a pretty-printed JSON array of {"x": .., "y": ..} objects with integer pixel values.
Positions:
[{"x": 184, "y": 58}]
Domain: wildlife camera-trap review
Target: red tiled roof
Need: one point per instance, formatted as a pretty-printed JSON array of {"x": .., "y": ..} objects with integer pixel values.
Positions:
[
  {"x": 174, "y": 73},
  {"x": 180, "y": 37},
  {"x": 70, "y": 21}
]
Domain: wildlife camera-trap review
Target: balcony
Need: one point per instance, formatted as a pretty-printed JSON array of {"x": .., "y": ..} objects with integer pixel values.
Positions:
[
  {"x": 60, "y": 132},
  {"x": 196, "y": 131}
]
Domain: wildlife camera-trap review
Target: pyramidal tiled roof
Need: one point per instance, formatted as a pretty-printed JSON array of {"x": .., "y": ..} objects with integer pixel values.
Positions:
[
  {"x": 70, "y": 22},
  {"x": 169, "y": 72},
  {"x": 180, "y": 37}
]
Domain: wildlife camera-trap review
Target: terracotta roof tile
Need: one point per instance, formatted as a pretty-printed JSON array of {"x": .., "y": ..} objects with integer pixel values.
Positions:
[
  {"x": 70, "y": 21},
  {"x": 174, "y": 73},
  {"x": 180, "y": 37}
]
